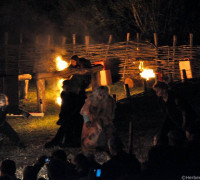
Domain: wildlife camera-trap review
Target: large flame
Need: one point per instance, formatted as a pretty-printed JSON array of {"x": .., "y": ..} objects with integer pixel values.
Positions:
[
  {"x": 60, "y": 66},
  {"x": 147, "y": 73}
]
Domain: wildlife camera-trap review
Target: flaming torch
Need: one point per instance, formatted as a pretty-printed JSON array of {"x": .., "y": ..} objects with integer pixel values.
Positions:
[{"x": 60, "y": 66}]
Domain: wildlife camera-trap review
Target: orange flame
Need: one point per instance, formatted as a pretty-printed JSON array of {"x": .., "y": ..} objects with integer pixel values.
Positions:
[{"x": 60, "y": 66}]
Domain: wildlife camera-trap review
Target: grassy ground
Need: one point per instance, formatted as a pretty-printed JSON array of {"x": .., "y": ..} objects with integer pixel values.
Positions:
[{"x": 37, "y": 131}]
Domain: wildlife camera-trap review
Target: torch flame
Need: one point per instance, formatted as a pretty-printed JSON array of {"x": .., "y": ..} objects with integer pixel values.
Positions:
[
  {"x": 147, "y": 73},
  {"x": 60, "y": 64}
]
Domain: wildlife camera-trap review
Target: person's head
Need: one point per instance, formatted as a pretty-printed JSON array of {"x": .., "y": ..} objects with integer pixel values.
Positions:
[
  {"x": 82, "y": 163},
  {"x": 3, "y": 100},
  {"x": 176, "y": 138},
  {"x": 8, "y": 167},
  {"x": 71, "y": 86},
  {"x": 74, "y": 60},
  {"x": 29, "y": 173},
  {"x": 160, "y": 88},
  {"x": 59, "y": 154},
  {"x": 101, "y": 92},
  {"x": 56, "y": 169},
  {"x": 115, "y": 145}
]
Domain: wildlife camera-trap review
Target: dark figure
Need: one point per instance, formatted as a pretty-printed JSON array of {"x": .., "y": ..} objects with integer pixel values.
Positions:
[
  {"x": 121, "y": 165},
  {"x": 70, "y": 120},
  {"x": 31, "y": 172},
  {"x": 56, "y": 170},
  {"x": 178, "y": 114},
  {"x": 167, "y": 161},
  {"x": 5, "y": 128},
  {"x": 81, "y": 63},
  {"x": 8, "y": 168}
]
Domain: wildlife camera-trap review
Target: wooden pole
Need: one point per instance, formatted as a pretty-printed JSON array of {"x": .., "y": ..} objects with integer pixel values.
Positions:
[
  {"x": 184, "y": 76},
  {"x": 173, "y": 56},
  {"x": 74, "y": 43},
  {"x": 127, "y": 90},
  {"x": 41, "y": 101},
  {"x": 87, "y": 41},
  {"x": 108, "y": 47},
  {"x": 64, "y": 39},
  {"x": 191, "y": 53},
  {"x": 155, "y": 39},
  {"x": 125, "y": 63}
]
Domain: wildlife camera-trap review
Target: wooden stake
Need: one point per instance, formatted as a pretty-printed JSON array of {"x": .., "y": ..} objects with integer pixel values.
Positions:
[
  {"x": 40, "y": 83},
  {"x": 87, "y": 41},
  {"x": 127, "y": 91},
  {"x": 155, "y": 39},
  {"x": 74, "y": 43},
  {"x": 173, "y": 56},
  {"x": 64, "y": 40}
]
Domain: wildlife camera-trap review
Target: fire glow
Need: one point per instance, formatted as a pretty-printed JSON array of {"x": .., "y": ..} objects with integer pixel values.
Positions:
[
  {"x": 147, "y": 73},
  {"x": 60, "y": 66}
]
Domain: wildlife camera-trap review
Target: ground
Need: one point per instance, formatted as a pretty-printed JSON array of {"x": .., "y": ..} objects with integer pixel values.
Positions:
[{"x": 142, "y": 110}]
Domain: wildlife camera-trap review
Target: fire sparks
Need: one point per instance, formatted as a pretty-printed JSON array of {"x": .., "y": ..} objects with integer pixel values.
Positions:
[
  {"x": 147, "y": 73},
  {"x": 60, "y": 66}
]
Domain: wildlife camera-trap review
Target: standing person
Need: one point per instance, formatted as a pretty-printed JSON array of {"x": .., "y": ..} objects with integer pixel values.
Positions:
[
  {"x": 178, "y": 113},
  {"x": 82, "y": 80},
  {"x": 98, "y": 113},
  {"x": 5, "y": 128},
  {"x": 70, "y": 120}
]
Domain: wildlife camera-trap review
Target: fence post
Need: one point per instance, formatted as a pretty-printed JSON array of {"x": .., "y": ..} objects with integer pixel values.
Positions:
[
  {"x": 173, "y": 56},
  {"x": 87, "y": 41},
  {"x": 74, "y": 43},
  {"x": 63, "y": 40},
  {"x": 127, "y": 91}
]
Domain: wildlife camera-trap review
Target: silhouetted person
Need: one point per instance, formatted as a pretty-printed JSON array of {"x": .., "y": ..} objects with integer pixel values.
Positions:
[
  {"x": 176, "y": 110},
  {"x": 5, "y": 127},
  {"x": 70, "y": 120},
  {"x": 121, "y": 165},
  {"x": 8, "y": 168}
]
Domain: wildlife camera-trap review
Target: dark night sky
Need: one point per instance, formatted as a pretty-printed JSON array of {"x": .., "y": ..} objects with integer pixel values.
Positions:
[{"x": 99, "y": 18}]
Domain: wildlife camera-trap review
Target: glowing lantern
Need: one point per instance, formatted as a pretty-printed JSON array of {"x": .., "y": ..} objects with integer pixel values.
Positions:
[
  {"x": 147, "y": 73},
  {"x": 60, "y": 65}
]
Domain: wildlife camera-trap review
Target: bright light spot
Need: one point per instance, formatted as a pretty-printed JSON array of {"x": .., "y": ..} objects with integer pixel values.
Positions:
[
  {"x": 59, "y": 85},
  {"x": 141, "y": 66},
  {"x": 147, "y": 73},
  {"x": 60, "y": 64},
  {"x": 59, "y": 101}
]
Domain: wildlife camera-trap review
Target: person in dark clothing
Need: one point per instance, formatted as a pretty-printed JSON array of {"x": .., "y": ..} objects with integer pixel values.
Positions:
[
  {"x": 81, "y": 63},
  {"x": 5, "y": 127},
  {"x": 70, "y": 120},
  {"x": 177, "y": 112},
  {"x": 121, "y": 165},
  {"x": 8, "y": 168}
]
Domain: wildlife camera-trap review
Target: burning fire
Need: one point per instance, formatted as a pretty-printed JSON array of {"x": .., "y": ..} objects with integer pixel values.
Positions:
[
  {"x": 147, "y": 73},
  {"x": 60, "y": 65}
]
